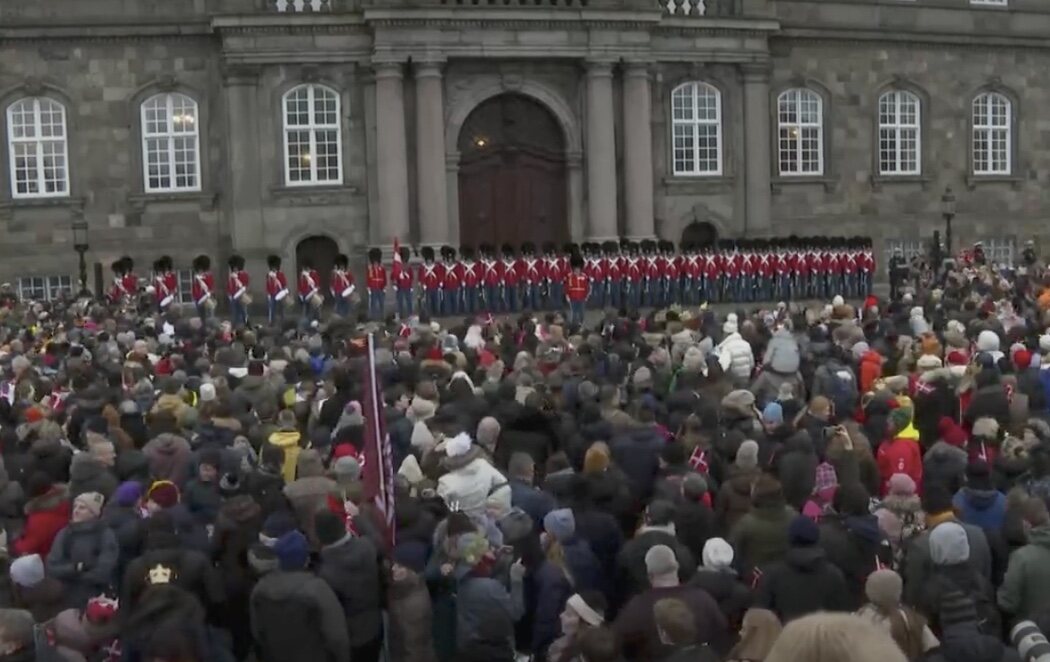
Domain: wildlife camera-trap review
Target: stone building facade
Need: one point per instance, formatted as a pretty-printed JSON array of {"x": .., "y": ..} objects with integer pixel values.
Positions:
[{"x": 313, "y": 126}]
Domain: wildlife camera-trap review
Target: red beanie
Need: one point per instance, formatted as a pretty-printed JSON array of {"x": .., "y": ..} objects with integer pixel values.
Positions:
[
  {"x": 34, "y": 415},
  {"x": 1022, "y": 359},
  {"x": 951, "y": 432},
  {"x": 956, "y": 357},
  {"x": 164, "y": 493}
]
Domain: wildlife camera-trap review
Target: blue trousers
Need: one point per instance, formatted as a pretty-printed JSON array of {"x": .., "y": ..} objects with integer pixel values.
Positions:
[
  {"x": 238, "y": 313},
  {"x": 510, "y": 298},
  {"x": 575, "y": 312},
  {"x": 274, "y": 310},
  {"x": 450, "y": 301},
  {"x": 493, "y": 298},
  {"x": 470, "y": 300},
  {"x": 404, "y": 303},
  {"x": 432, "y": 301},
  {"x": 341, "y": 305},
  {"x": 309, "y": 312},
  {"x": 376, "y": 304},
  {"x": 530, "y": 296},
  {"x": 555, "y": 295}
]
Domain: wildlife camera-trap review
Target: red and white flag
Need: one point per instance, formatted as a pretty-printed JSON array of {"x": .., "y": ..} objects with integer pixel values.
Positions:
[
  {"x": 377, "y": 469},
  {"x": 397, "y": 266}
]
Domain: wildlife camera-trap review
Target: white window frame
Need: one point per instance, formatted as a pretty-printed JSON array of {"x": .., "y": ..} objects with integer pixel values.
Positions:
[
  {"x": 38, "y": 144},
  {"x": 892, "y": 125},
  {"x": 1000, "y": 250},
  {"x": 50, "y": 287},
  {"x": 189, "y": 114},
  {"x": 791, "y": 102},
  {"x": 184, "y": 280},
  {"x": 313, "y": 127},
  {"x": 909, "y": 248},
  {"x": 988, "y": 131},
  {"x": 990, "y": 3},
  {"x": 694, "y": 126}
]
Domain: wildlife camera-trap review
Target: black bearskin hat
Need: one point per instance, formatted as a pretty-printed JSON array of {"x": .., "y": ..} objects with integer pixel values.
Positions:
[
  {"x": 166, "y": 263},
  {"x": 235, "y": 262},
  {"x": 448, "y": 252},
  {"x": 117, "y": 266},
  {"x": 508, "y": 249},
  {"x": 375, "y": 255},
  {"x": 201, "y": 263},
  {"x": 467, "y": 252},
  {"x": 342, "y": 261},
  {"x": 576, "y": 261},
  {"x": 427, "y": 252},
  {"x": 273, "y": 261},
  {"x": 404, "y": 253}
]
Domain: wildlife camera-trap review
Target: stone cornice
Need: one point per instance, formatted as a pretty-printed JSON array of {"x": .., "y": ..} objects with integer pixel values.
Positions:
[
  {"x": 839, "y": 36},
  {"x": 121, "y": 33}
]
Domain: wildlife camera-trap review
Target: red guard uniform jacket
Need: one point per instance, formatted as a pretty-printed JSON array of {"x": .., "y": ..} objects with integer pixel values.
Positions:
[
  {"x": 203, "y": 287},
  {"x": 452, "y": 278},
  {"x": 577, "y": 286},
  {"x": 470, "y": 274},
  {"x": 402, "y": 276},
  {"x": 131, "y": 283},
  {"x": 276, "y": 285},
  {"x": 431, "y": 275},
  {"x": 237, "y": 284},
  {"x": 533, "y": 272},
  {"x": 309, "y": 284},
  {"x": 492, "y": 271},
  {"x": 867, "y": 262},
  {"x": 162, "y": 292},
  {"x": 634, "y": 270},
  {"x": 375, "y": 277},
  {"x": 511, "y": 273},
  {"x": 340, "y": 283}
]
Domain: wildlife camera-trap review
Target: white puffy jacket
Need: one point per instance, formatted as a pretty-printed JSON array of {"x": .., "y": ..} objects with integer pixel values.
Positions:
[
  {"x": 735, "y": 356},
  {"x": 469, "y": 486}
]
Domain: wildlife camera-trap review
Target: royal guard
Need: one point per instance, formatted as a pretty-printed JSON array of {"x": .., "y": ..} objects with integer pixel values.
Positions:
[
  {"x": 163, "y": 292},
  {"x": 276, "y": 289},
  {"x": 866, "y": 267},
  {"x": 577, "y": 289},
  {"x": 612, "y": 273},
  {"x": 470, "y": 276},
  {"x": 341, "y": 285},
  {"x": 532, "y": 277},
  {"x": 451, "y": 282},
  {"x": 237, "y": 290},
  {"x": 375, "y": 282},
  {"x": 309, "y": 290},
  {"x": 511, "y": 279},
  {"x": 131, "y": 281},
  {"x": 647, "y": 265},
  {"x": 668, "y": 267},
  {"x": 553, "y": 276},
  {"x": 430, "y": 276},
  {"x": 692, "y": 274},
  {"x": 203, "y": 288},
  {"x": 491, "y": 279},
  {"x": 116, "y": 293},
  {"x": 401, "y": 275},
  {"x": 590, "y": 253},
  {"x": 634, "y": 276},
  {"x": 748, "y": 270},
  {"x": 730, "y": 270},
  {"x": 764, "y": 268}
]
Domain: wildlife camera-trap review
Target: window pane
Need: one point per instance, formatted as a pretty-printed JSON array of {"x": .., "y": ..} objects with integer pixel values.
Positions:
[{"x": 312, "y": 135}]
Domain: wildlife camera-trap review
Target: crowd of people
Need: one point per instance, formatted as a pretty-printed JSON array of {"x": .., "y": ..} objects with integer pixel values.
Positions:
[{"x": 840, "y": 482}]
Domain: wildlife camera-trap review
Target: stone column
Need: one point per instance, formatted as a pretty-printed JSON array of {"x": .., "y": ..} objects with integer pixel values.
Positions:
[
  {"x": 452, "y": 194},
  {"x": 601, "y": 153},
  {"x": 245, "y": 227},
  {"x": 431, "y": 177},
  {"x": 757, "y": 146},
  {"x": 638, "y": 151},
  {"x": 391, "y": 154}
]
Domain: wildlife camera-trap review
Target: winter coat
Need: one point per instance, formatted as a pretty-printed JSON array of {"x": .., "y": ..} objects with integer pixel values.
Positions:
[
  {"x": 470, "y": 481},
  {"x": 950, "y": 595},
  {"x": 202, "y": 499},
  {"x": 288, "y": 441},
  {"x": 637, "y": 453},
  {"x": 46, "y": 515},
  {"x": 633, "y": 574},
  {"x": 837, "y": 382},
  {"x": 796, "y": 464},
  {"x": 899, "y": 456},
  {"x": 734, "y": 497},
  {"x": 308, "y": 496},
  {"x": 12, "y": 504},
  {"x": 965, "y": 643},
  {"x": 410, "y": 620},
  {"x": 192, "y": 571},
  {"x": 50, "y": 457},
  {"x": 169, "y": 458},
  {"x": 945, "y": 464},
  {"x": 732, "y": 595},
  {"x": 636, "y": 625},
  {"x": 736, "y": 358},
  {"x": 934, "y": 399},
  {"x": 769, "y": 383},
  {"x": 803, "y": 583},
  {"x": 919, "y": 568},
  {"x": 530, "y": 433},
  {"x": 1025, "y": 591},
  {"x": 536, "y": 503},
  {"x": 603, "y": 534},
  {"x": 44, "y": 600},
  {"x": 856, "y": 546},
  {"x": 484, "y": 609},
  {"x": 870, "y": 370},
  {"x": 86, "y": 474},
  {"x": 983, "y": 508},
  {"x": 266, "y": 489},
  {"x": 988, "y": 401},
  {"x": 296, "y": 616},
  {"x": 236, "y": 530},
  {"x": 256, "y": 391},
  {"x": 694, "y": 524},
  {"x": 547, "y": 589},
  {"x": 350, "y": 568},
  {"x": 84, "y": 558},
  {"x": 761, "y": 536},
  {"x": 126, "y": 524},
  {"x": 782, "y": 353}
]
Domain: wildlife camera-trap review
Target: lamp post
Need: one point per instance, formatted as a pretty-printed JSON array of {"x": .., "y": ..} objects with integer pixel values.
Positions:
[
  {"x": 948, "y": 212},
  {"x": 80, "y": 245}
]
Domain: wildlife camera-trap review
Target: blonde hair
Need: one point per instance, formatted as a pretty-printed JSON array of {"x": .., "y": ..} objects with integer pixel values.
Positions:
[
  {"x": 758, "y": 632},
  {"x": 827, "y": 637}
]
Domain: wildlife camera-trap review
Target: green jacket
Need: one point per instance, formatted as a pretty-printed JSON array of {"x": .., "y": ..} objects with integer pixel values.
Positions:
[
  {"x": 761, "y": 536},
  {"x": 1025, "y": 591}
]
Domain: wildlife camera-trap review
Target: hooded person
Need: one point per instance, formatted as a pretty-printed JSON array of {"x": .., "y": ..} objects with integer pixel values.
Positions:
[
  {"x": 899, "y": 454},
  {"x": 409, "y": 608},
  {"x": 979, "y": 503},
  {"x": 804, "y": 581},
  {"x": 471, "y": 479},
  {"x": 717, "y": 576},
  {"x": 288, "y": 438},
  {"x": 852, "y": 540},
  {"x": 85, "y": 554},
  {"x": 734, "y": 496},
  {"x": 169, "y": 457},
  {"x": 310, "y": 492},
  {"x": 47, "y": 512},
  {"x": 1025, "y": 590},
  {"x": 761, "y": 536}
]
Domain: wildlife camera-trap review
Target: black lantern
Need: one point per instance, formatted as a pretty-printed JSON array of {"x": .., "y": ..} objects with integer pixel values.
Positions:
[
  {"x": 948, "y": 212},
  {"x": 80, "y": 245}
]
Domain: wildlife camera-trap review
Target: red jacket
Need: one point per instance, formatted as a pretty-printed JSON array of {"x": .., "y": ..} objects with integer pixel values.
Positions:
[
  {"x": 276, "y": 282},
  {"x": 899, "y": 456},
  {"x": 492, "y": 272},
  {"x": 203, "y": 287},
  {"x": 511, "y": 274},
  {"x": 577, "y": 287},
  {"x": 470, "y": 274},
  {"x": 309, "y": 284},
  {"x": 452, "y": 277},
  {"x": 431, "y": 275},
  {"x": 340, "y": 284},
  {"x": 46, "y": 516},
  {"x": 237, "y": 284},
  {"x": 401, "y": 274},
  {"x": 163, "y": 292},
  {"x": 376, "y": 277}
]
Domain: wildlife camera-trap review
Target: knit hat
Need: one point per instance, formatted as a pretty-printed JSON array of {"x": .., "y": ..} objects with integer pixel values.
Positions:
[
  {"x": 803, "y": 531},
  {"x": 27, "y": 570},
  {"x": 717, "y": 554},
  {"x": 643, "y": 378},
  {"x": 207, "y": 392},
  {"x": 859, "y": 350},
  {"x": 458, "y": 445},
  {"x": 488, "y": 432},
  {"x": 951, "y": 432},
  {"x": 898, "y": 420},
  {"x": 747, "y": 455},
  {"x": 987, "y": 341},
  {"x": 1044, "y": 343},
  {"x": 660, "y": 560},
  {"x": 411, "y": 554},
  {"x": 949, "y": 544},
  {"x": 901, "y": 485},
  {"x": 985, "y": 428},
  {"x": 164, "y": 493},
  {"x": 1022, "y": 359},
  {"x": 277, "y": 524},
  {"x": 34, "y": 415},
  {"x": 560, "y": 524},
  {"x": 347, "y": 468},
  {"x": 884, "y": 588},
  {"x": 292, "y": 550},
  {"x": 928, "y": 362},
  {"x": 471, "y": 548},
  {"x": 92, "y": 501},
  {"x": 330, "y": 528},
  {"x": 773, "y": 414},
  {"x": 128, "y": 493},
  {"x": 309, "y": 464}
]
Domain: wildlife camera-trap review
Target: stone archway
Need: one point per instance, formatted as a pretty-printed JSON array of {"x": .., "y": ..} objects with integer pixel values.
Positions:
[
  {"x": 699, "y": 233},
  {"x": 512, "y": 174},
  {"x": 320, "y": 250}
]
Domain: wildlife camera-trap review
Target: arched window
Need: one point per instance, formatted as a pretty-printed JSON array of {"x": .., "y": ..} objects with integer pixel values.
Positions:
[
  {"x": 311, "y": 136},
  {"x": 36, "y": 142},
  {"x": 900, "y": 141},
  {"x": 800, "y": 130},
  {"x": 696, "y": 125},
  {"x": 992, "y": 126},
  {"x": 170, "y": 144}
]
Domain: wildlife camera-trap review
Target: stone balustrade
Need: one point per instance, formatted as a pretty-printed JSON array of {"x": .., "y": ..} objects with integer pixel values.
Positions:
[
  {"x": 685, "y": 7},
  {"x": 304, "y": 6}
]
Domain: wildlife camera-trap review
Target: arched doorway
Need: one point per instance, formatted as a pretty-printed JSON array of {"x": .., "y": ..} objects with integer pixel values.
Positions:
[
  {"x": 320, "y": 250},
  {"x": 512, "y": 176},
  {"x": 699, "y": 234}
]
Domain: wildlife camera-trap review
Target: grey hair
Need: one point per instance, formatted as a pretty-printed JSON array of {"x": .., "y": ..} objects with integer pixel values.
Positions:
[
  {"x": 16, "y": 627},
  {"x": 520, "y": 463}
]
